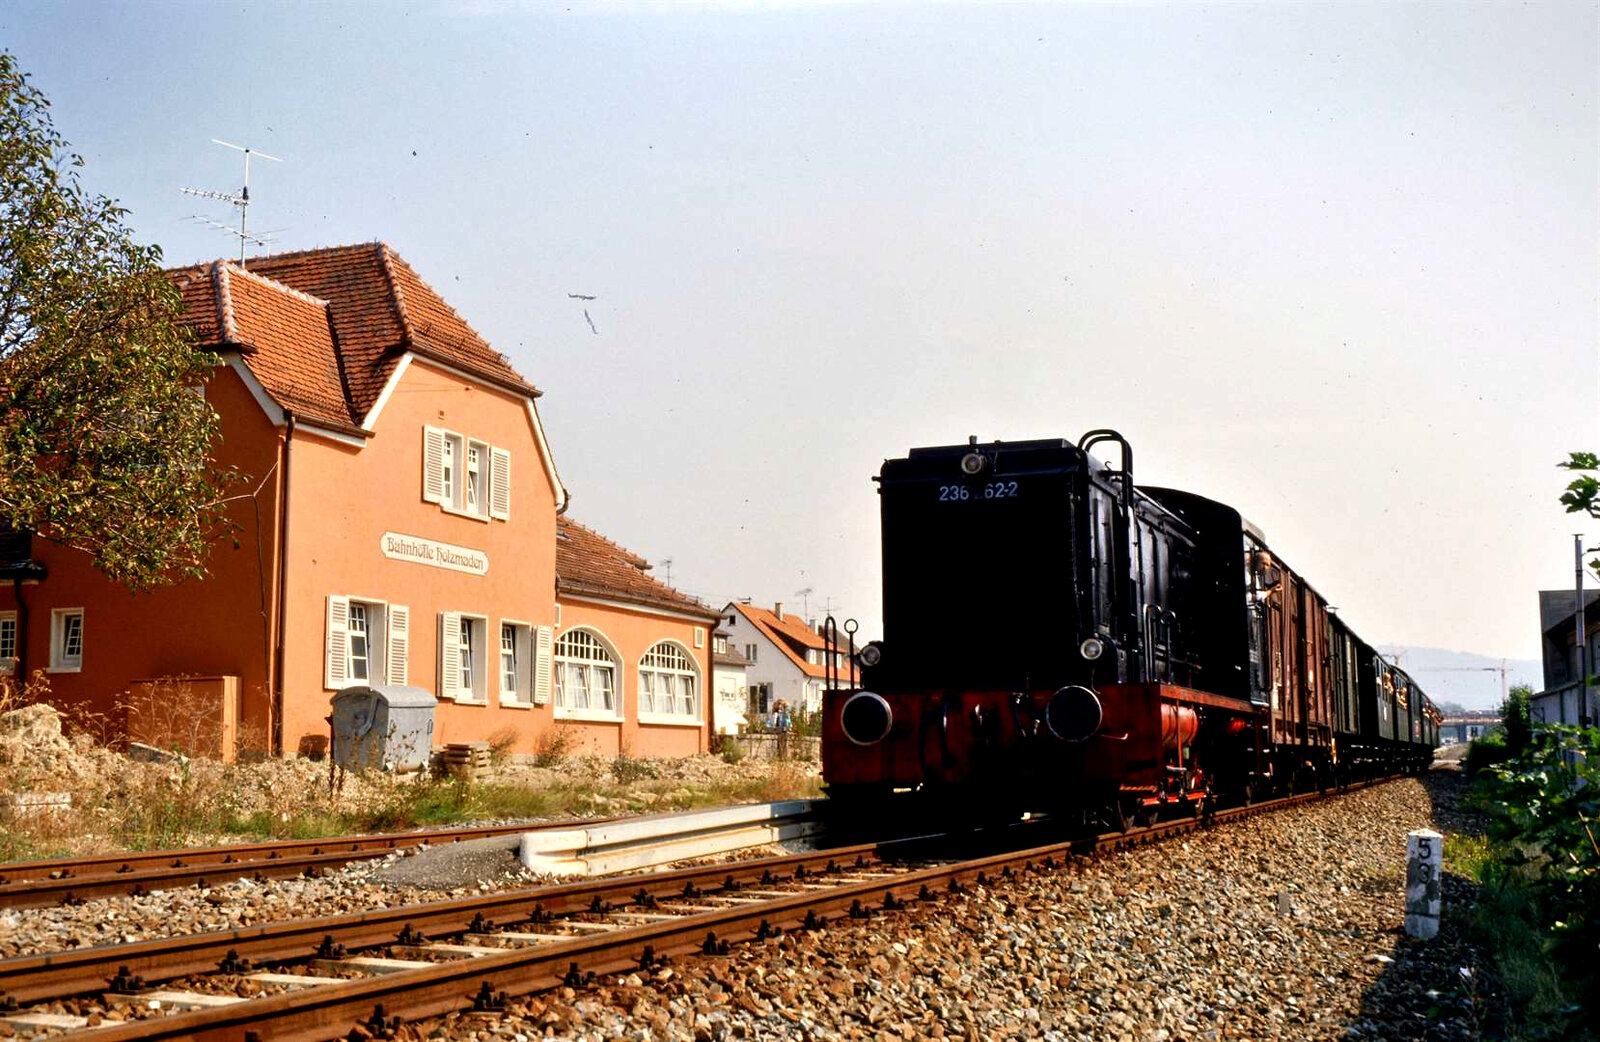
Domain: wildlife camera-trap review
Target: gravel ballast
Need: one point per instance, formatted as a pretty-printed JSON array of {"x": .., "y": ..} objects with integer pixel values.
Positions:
[{"x": 1285, "y": 926}]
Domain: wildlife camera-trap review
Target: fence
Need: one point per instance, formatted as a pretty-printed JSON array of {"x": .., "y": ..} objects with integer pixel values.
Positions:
[{"x": 778, "y": 746}]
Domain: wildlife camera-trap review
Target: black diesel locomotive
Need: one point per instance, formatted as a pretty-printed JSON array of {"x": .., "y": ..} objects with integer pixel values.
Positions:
[{"x": 1056, "y": 637}]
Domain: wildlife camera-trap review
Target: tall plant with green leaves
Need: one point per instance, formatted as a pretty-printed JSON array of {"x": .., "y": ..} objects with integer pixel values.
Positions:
[
  {"x": 1583, "y": 492},
  {"x": 1544, "y": 806},
  {"x": 104, "y": 444},
  {"x": 1516, "y": 718}
]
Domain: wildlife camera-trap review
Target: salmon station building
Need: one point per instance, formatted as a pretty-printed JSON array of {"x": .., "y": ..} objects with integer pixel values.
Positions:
[{"x": 400, "y": 520}]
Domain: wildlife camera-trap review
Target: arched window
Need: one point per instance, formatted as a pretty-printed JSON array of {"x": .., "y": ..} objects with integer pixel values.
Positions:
[
  {"x": 669, "y": 683},
  {"x": 585, "y": 673}
]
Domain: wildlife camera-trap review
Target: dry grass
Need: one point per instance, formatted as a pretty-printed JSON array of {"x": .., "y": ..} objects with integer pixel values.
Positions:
[{"x": 118, "y": 804}]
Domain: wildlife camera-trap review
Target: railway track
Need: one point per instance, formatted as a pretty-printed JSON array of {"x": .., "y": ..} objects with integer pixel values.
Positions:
[
  {"x": 38, "y": 884},
  {"x": 334, "y": 974}
]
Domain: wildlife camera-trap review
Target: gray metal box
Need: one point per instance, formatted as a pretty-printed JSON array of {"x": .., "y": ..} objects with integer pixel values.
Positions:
[{"x": 386, "y": 727}]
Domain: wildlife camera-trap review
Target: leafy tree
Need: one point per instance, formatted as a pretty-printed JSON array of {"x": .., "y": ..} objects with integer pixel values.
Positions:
[
  {"x": 1516, "y": 717},
  {"x": 1583, "y": 494},
  {"x": 104, "y": 446}
]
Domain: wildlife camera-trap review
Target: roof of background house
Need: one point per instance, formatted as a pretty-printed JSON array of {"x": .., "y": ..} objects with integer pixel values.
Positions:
[
  {"x": 792, "y": 636},
  {"x": 587, "y": 563},
  {"x": 730, "y": 657},
  {"x": 371, "y": 308}
]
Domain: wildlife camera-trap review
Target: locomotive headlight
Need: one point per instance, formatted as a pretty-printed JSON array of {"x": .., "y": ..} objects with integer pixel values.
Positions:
[
  {"x": 1092, "y": 648},
  {"x": 870, "y": 655},
  {"x": 865, "y": 718},
  {"x": 973, "y": 463},
  {"x": 1073, "y": 714}
]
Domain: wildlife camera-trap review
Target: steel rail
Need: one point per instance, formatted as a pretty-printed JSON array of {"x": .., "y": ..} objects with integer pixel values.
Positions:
[
  {"x": 484, "y": 982},
  {"x": 330, "y": 1010},
  {"x": 37, "y": 884},
  {"x": 81, "y": 971}
]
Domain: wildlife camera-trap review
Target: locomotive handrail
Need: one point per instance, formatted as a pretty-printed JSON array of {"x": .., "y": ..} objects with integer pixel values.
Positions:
[{"x": 1127, "y": 595}]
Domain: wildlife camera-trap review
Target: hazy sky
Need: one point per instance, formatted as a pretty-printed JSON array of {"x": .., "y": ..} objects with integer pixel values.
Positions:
[{"x": 1333, "y": 264}]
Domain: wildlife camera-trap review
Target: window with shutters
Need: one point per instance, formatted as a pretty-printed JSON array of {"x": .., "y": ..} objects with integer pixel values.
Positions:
[
  {"x": 465, "y": 476},
  {"x": 586, "y": 677},
  {"x": 464, "y": 662},
  {"x": 669, "y": 686},
  {"x": 517, "y": 663},
  {"x": 367, "y": 641},
  {"x": 66, "y": 640}
]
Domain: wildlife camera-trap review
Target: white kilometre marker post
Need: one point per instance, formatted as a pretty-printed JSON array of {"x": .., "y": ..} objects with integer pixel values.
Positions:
[{"x": 1424, "y": 872}]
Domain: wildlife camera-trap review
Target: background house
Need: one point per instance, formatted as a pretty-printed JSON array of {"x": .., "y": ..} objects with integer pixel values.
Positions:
[
  {"x": 1561, "y": 700},
  {"x": 731, "y": 684},
  {"x": 786, "y": 658}
]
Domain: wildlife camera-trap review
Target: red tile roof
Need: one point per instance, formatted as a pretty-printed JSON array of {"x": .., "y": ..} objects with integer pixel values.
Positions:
[
  {"x": 289, "y": 342},
  {"x": 375, "y": 308},
  {"x": 793, "y": 637},
  {"x": 589, "y": 563}
]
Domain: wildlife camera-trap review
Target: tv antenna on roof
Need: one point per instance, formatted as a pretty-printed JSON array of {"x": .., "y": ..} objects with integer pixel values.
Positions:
[{"x": 241, "y": 201}]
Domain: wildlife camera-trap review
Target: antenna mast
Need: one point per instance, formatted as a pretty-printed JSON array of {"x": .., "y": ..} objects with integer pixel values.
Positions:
[{"x": 241, "y": 201}]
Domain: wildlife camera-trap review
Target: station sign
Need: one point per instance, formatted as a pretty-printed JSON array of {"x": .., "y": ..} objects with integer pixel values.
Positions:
[{"x": 418, "y": 549}]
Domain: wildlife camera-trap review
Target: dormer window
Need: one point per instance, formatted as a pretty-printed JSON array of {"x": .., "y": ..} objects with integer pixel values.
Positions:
[{"x": 465, "y": 476}]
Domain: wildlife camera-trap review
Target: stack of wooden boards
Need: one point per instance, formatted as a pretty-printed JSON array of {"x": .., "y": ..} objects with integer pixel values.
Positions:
[{"x": 469, "y": 760}]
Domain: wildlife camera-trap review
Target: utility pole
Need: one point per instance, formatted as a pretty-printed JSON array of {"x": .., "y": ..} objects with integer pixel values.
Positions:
[{"x": 1582, "y": 644}]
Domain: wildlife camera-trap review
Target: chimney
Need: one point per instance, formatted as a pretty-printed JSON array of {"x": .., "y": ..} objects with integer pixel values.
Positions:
[{"x": 777, "y": 610}]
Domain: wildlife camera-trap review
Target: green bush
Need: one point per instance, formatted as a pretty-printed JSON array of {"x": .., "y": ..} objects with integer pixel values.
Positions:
[
  {"x": 628, "y": 769},
  {"x": 553, "y": 747},
  {"x": 1485, "y": 752},
  {"x": 727, "y": 747},
  {"x": 1544, "y": 810}
]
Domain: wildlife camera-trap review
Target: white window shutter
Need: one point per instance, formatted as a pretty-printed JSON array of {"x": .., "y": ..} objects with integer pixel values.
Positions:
[
  {"x": 541, "y": 686},
  {"x": 449, "y": 654},
  {"x": 399, "y": 644},
  {"x": 500, "y": 484},
  {"x": 336, "y": 646},
  {"x": 432, "y": 465}
]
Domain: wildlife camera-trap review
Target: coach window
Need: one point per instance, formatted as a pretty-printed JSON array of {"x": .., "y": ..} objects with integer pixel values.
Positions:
[
  {"x": 669, "y": 686},
  {"x": 586, "y": 677}
]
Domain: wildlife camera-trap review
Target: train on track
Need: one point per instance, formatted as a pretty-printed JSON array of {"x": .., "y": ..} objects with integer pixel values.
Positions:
[{"x": 1058, "y": 638}]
